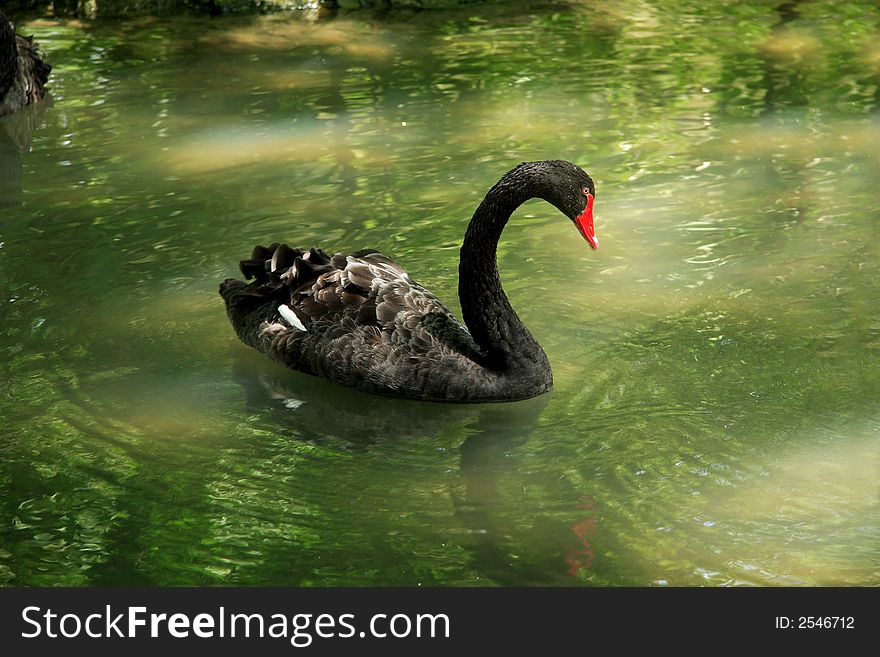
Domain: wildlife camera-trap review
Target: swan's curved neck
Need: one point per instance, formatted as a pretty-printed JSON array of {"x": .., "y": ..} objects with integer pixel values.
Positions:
[{"x": 508, "y": 346}]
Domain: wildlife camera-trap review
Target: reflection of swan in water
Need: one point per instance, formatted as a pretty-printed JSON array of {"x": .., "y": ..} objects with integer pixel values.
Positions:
[
  {"x": 16, "y": 132},
  {"x": 323, "y": 412}
]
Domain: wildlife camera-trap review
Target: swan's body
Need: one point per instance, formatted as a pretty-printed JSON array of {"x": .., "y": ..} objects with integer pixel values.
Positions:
[
  {"x": 23, "y": 75},
  {"x": 361, "y": 321}
]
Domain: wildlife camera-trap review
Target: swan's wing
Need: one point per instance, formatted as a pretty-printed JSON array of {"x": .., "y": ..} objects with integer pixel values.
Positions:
[
  {"x": 447, "y": 330},
  {"x": 365, "y": 291}
]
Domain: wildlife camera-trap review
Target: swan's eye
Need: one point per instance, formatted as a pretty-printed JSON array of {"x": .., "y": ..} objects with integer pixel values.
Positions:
[{"x": 586, "y": 191}]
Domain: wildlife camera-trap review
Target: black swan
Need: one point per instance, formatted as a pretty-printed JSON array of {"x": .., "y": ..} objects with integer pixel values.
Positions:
[
  {"x": 23, "y": 75},
  {"x": 359, "y": 320}
]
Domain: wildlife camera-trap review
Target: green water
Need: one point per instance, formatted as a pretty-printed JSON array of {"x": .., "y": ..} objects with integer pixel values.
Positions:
[{"x": 716, "y": 410}]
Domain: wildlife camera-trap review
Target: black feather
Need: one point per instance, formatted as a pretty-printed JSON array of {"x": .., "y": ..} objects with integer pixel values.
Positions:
[
  {"x": 23, "y": 74},
  {"x": 252, "y": 268},
  {"x": 283, "y": 258}
]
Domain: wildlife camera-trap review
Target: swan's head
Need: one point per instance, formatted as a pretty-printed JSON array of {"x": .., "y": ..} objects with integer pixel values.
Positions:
[
  {"x": 561, "y": 183},
  {"x": 572, "y": 191}
]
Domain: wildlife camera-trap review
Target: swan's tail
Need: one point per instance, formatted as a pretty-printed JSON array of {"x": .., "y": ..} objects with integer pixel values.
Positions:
[
  {"x": 281, "y": 265},
  {"x": 246, "y": 307},
  {"x": 278, "y": 272}
]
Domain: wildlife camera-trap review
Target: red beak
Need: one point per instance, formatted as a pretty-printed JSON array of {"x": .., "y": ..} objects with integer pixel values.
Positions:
[{"x": 584, "y": 224}]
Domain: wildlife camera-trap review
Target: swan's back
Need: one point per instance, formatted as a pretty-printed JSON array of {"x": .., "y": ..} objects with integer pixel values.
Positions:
[{"x": 358, "y": 320}]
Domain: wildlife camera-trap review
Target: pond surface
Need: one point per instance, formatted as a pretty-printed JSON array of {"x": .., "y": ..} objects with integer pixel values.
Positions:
[{"x": 716, "y": 411}]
